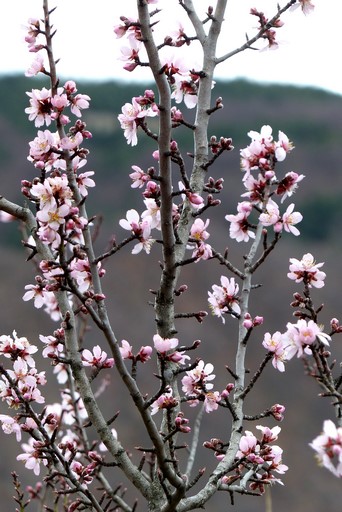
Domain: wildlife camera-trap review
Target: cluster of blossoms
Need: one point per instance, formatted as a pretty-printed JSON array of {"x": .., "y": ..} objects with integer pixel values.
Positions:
[
  {"x": 22, "y": 383},
  {"x": 141, "y": 226},
  {"x": 261, "y": 454},
  {"x": 54, "y": 278},
  {"x": 197, "y": 242},
  {"x": 133, "y": 115},
  {"x": 197, "y": 386},
  {"x": 183, "y": 80},
  {"x": 307, "y": 270},
  {"x": 261, "y": 156},
  {"x": 299, "y": 337},
  {"x": 297, "y": 340},
  {"x": 20, "y": 386},
  {"x": 56, "y": 211},
  {"x": 224, "y": 299},
  {"x": 59, "y": 221},
  {"x": 46, "y": 107}
]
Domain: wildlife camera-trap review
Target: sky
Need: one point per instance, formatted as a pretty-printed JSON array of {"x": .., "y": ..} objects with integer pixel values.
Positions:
[{"x": 309, "y": 53}]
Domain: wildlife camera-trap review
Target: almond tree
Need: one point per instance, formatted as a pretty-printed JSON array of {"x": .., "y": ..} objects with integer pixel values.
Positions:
[{"x": 76, "y": 470}]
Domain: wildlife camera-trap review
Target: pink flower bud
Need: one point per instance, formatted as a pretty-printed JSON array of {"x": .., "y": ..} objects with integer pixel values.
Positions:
[
  {"x": 173, "y": 146},
  {"x": 334, "y": 324},
  {"x": 248, "y": 323},
  {"x": 258, "y": 320},
  {"x": 144, "y": 354},
  {"x": 269, "y": 175},
  {"x": 277, "y": 411}
]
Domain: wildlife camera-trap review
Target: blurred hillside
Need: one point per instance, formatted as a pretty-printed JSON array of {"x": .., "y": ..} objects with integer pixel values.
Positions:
[{"x": 312, "y": 119}]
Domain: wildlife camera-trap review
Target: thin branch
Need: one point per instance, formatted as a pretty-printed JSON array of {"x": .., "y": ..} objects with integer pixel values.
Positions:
[{"x": 249, "y": 43}]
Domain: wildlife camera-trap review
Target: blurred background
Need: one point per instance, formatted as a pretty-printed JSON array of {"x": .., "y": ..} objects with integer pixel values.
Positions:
[{"x": 298, "y": 91}]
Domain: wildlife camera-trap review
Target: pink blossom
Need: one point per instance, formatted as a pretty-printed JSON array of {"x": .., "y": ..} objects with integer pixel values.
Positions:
[
  {"x": 144, "y": 354},
  {"x": 72, "y": 141},
  {"x": 84, "y": 474},
  {"x": 223, "y": 299},
  {"x": 35, "y": 292},
  {"x": 247, "y": 322},
  {"x": 277, "y": 411},
  {"x": 211, "y": 401},
  {"x": 84, "y": 181},
  {"x": 278, "y": 345},
  {"x": 60, "y": 101},
  {"x": 32, "y": 32},
  {"x": 126, "y": 350},
  {"x": 152, "y": 212},
  {"x": 129, "y": 24},
  {"x": 40, "y": 107},
  {"x": 37, "y": 66},
  {"x": 288, "y": 185},
  {"x": 61, "y": 372},
  {"x": 44, "y": 193},
  {"x": 130, "y": 54},
  {"x": 54, "y": 216},
  {"x": 328, "y": 447},
  {"x": 198, "y": 234},
  {"x": 49, "y": 236},
  {"x": 78, "y": 103},
  {"x": 290, "y": 218},
  {"x": 178, "y": 357},
  {"x": 164, "y": 345},
  {"x": 263, "y": 150},
  {"x": 165, "y": 401},
  {"x": 185, "y": 90},
  {"x": 199, "y": 379},
  {"x": 18, "y": 348},
  {"x": 173, "y": 64},
  {"x": 303, "y": 334},
  {"x": 10, "y": 425},
  {"x": 271, "y": 216},
  {"x": 43, "y": 143},
  {"x": 264, "y": 136},
  {"x": 80, "y": 271},
  {"x": 51, "y": 306},
  {"x": 255, "y": 188},
  {"x": 306, "y": 5},
  {"x": 307, "y": 270},
  {"x": 274, "y": 459},
  {"x": 269, "y": 435},
  {"x": 239, "y": 226},
  {"x": 33, "y": 455},
  {"x": 53, "y": 346},
  {"x": 181, "y": 423},
  {"x": 141, "y": 229},
  {"x": 282, "y": 147},
  {"x": 249, "y": 447},
  {"x": 138, "y": 177},
  {"x": 72, "y": 404},
  {"x": 202, "y": 252},
  {"x": 129, "y": 119},
  {"x": 97, "y": 358}
]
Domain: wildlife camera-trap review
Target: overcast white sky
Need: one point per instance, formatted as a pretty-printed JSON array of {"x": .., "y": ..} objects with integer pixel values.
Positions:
[{"x": 310, "y": 53}]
